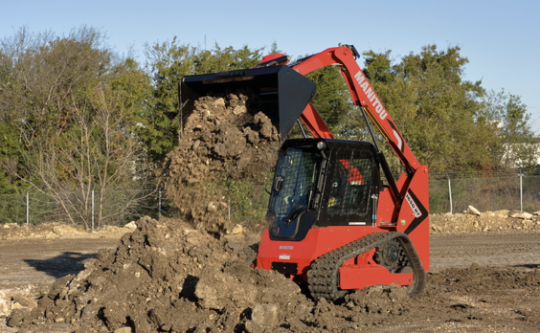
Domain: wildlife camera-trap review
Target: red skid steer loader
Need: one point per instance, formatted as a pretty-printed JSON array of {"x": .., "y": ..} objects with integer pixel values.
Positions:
[{"x": 334, "y": 225}]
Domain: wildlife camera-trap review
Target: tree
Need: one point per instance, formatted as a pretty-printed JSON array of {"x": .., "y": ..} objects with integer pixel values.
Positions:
[
  {"x": 436, "y": 110},
  {"x": 332, "y": 98},
  {"x": 43, "y": 74},
  {"x": 517, "y": 145},
  {"x": 168, "y": 63},
  {"x": 77, "y": 110},
  {"x": 11, "y": 188}
]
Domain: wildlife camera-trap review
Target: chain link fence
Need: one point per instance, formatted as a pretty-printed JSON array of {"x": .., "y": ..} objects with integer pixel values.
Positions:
[
  {"x": 247, "y": 201},
  {"x": 74, "y": 207},
  {"x": 485, "y": 191}
]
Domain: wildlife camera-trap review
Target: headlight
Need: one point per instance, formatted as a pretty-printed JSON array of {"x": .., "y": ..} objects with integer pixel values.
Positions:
[{"x": 321, "y": 145}]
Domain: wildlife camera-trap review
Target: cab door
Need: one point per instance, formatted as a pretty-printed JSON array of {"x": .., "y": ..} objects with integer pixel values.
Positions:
[{"x": 352, "y": 186}]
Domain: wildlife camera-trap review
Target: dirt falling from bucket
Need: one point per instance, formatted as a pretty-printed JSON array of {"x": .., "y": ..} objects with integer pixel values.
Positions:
[{"x": 222, "y": 137}]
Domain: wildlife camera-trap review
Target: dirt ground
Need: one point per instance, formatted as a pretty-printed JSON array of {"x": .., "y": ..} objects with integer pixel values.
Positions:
[{"x": 479, "y": 282}]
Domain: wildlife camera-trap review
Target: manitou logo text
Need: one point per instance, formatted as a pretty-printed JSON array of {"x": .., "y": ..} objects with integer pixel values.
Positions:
[
  {"x": 375, "y": 103},
  {"x": 281, "y": 247},
  {"x": 413, "y": 205}
]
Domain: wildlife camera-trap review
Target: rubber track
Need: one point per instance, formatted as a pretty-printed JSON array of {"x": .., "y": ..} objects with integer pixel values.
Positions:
[{"x": 323, "y": 275}]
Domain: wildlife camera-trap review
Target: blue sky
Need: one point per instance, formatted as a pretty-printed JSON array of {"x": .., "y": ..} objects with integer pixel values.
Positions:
[{"x": 501, "y": 39}]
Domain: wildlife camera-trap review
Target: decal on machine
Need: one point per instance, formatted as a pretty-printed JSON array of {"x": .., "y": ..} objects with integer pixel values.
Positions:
[
  {"x": 284, "y": 257},
  {"x": 368, "y": 90},
  {"x": 419, "y": 211},
  {"x": 287, "y": 247},
  {"x": 414, "y": 207},
  {"x": 399, "y": 141}
]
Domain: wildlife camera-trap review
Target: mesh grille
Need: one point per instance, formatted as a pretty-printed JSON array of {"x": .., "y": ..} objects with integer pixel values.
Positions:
[
  {"x": 350, "y": 184},
  {"x": 297, "y": 172}
]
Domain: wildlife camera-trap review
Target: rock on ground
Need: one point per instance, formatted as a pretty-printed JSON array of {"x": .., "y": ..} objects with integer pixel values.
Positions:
[{"x": 497, "y": 221}]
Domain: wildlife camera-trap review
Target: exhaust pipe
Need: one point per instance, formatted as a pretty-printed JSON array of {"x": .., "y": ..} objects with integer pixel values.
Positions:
[{"x": 282, "y": 93}]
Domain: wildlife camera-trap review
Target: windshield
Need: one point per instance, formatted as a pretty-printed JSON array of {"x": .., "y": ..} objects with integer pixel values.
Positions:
[{"x": 293, "y": 190}]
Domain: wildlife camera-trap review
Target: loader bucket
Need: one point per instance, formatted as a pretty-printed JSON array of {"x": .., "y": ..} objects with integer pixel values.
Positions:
[{"x": 282, "y": 93}]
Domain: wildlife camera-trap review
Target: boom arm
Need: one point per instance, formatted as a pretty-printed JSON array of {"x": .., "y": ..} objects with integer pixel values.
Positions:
[{"x": 362, "y": 94}]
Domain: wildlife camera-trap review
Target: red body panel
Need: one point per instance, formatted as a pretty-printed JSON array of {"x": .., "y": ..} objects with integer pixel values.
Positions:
[
  {"x": 386, "y": 210},
  {"x": 355, "y": 273}
]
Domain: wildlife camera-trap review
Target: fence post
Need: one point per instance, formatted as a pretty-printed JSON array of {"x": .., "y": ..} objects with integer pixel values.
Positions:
[
  {"x": 93, "y": 189},
  {"x": 159, "y": 201},
  {"x": 521, "y": 189},
  {"x": 27, "y": 206},
  {"x": 450, "y": 193}
]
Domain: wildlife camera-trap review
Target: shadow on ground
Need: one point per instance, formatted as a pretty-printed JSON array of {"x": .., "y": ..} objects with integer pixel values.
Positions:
[
  {"x": 531, "y": 266},
  {"x": 62, "y": 265}
]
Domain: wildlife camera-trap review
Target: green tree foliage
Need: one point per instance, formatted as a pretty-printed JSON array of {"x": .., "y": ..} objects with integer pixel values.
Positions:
[
  {"x": 11, "y": 207},
  {"x": 436, "y": 110},
  {"x": 332, "y": 99},
  {"x": 76, "y": 110},
  {"x": 516, "y": 146},
  {"x": 168, "y": 63}
]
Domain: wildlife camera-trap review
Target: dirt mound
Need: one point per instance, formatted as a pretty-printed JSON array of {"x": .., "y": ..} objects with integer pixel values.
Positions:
[
  {"x": 223, "y": 137},
  {"x": 472, "y": 221},
  {"x": 61, "y": 231},
  {"x": 377, "y": 299},
  {"x": 169, "y": 277},
  {"x": 161, "y": 270}
]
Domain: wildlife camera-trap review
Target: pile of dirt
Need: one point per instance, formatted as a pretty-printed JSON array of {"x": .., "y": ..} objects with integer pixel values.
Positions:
[
  {"x": 222, "y": 137},
  {"x": 161, "y": 270},
  {"x": 61, "y": 231},
  {"x": 474, "y": 221},
  {"x": 169, "y": 277},
  {"x": 166, "y": 268}
]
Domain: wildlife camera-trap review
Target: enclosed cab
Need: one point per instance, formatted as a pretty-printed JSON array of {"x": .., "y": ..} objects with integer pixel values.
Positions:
[{"x": 322, "y": 183}]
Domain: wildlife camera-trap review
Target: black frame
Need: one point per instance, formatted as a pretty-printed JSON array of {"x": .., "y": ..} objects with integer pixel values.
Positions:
[{"x": 369, "y": 217}]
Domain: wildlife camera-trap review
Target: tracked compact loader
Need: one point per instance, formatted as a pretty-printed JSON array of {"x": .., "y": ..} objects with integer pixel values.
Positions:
[{"x": 334, "y": 224}]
